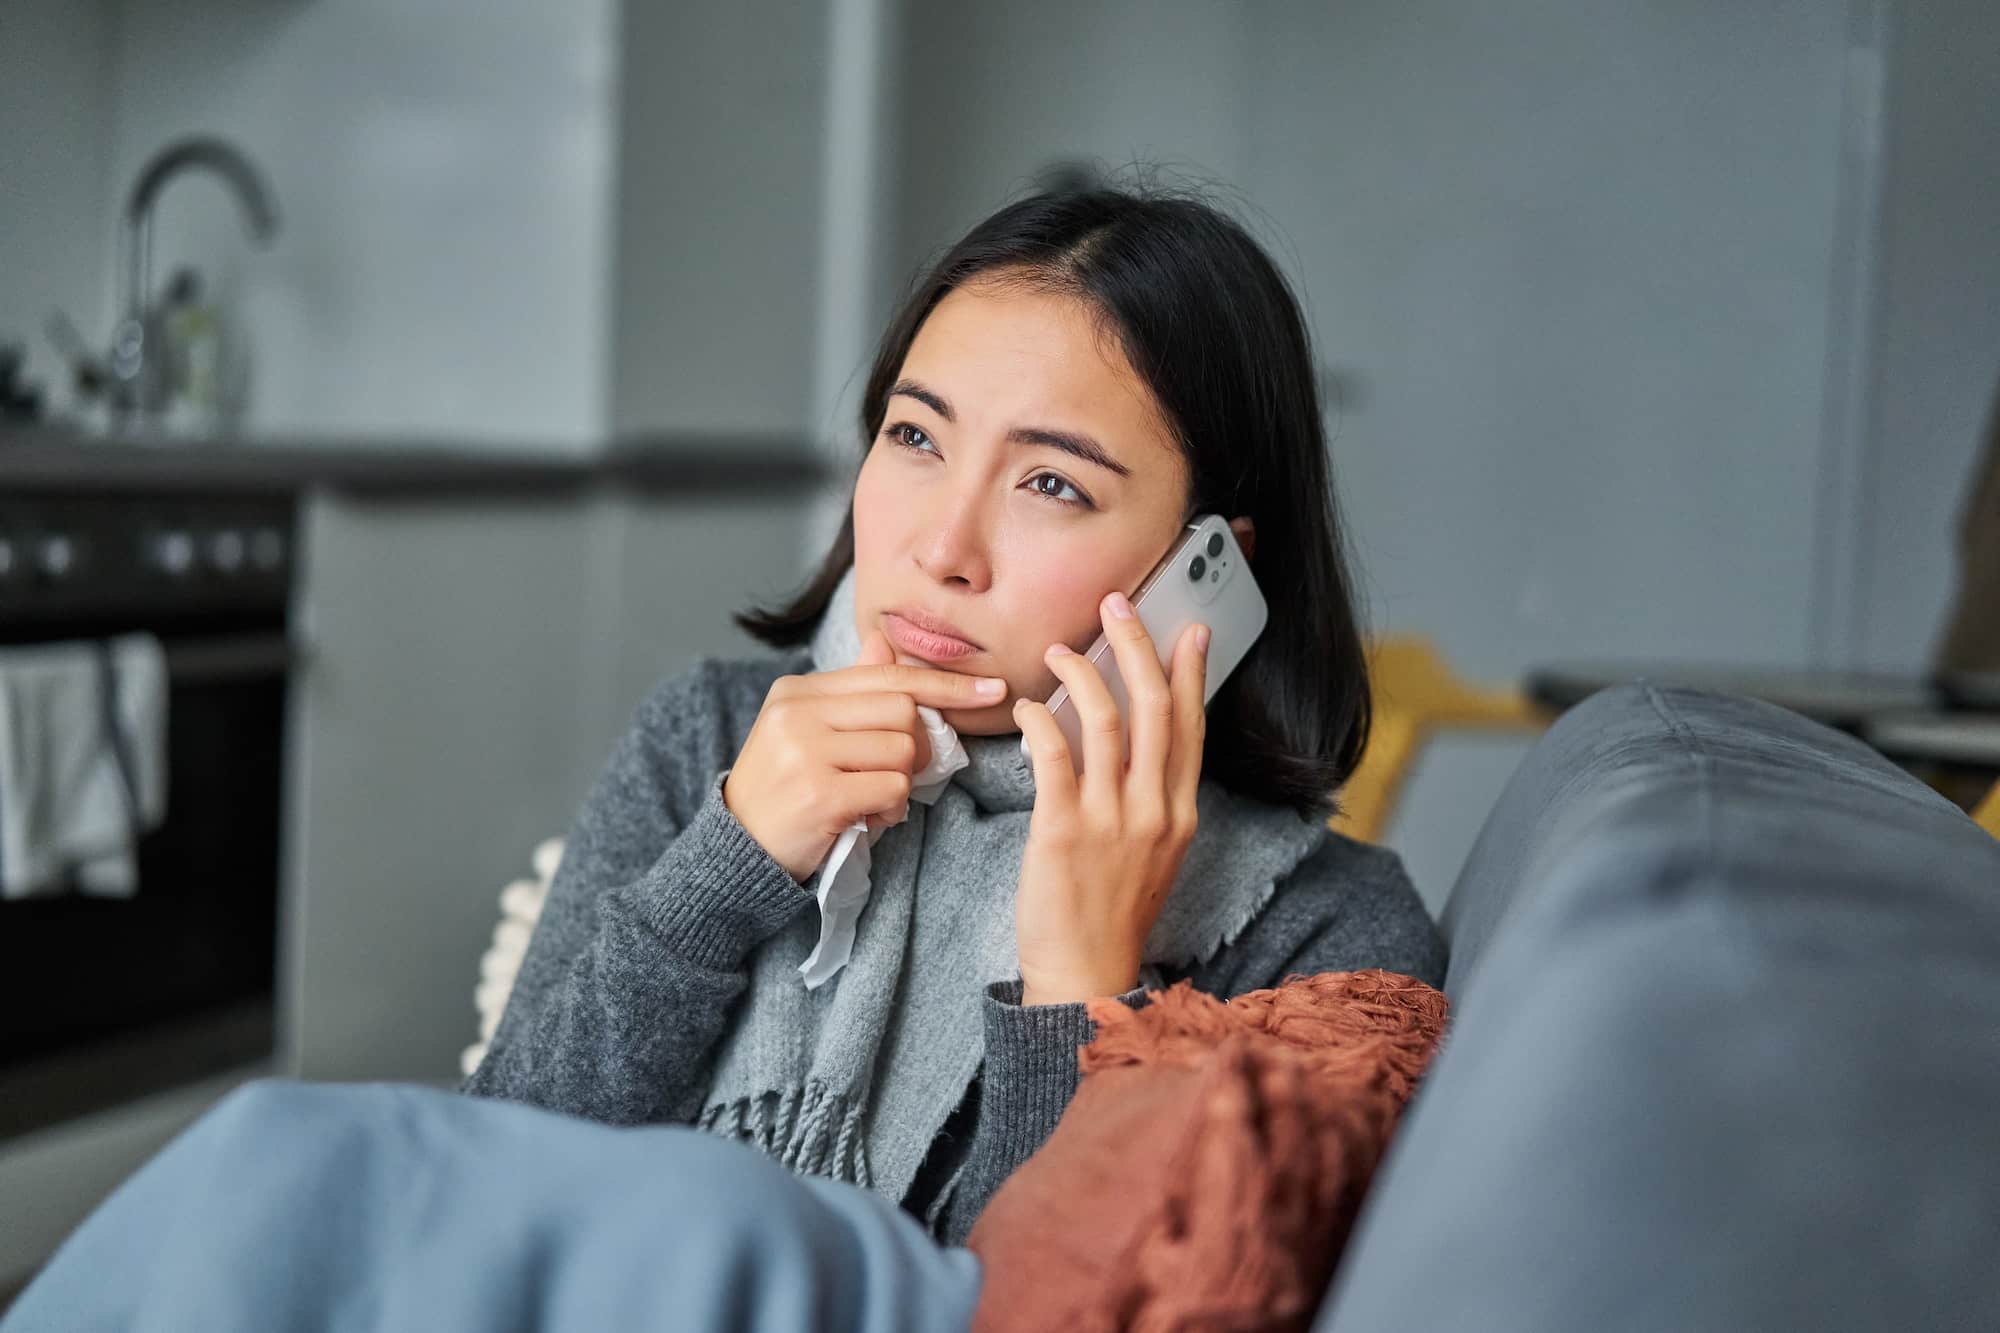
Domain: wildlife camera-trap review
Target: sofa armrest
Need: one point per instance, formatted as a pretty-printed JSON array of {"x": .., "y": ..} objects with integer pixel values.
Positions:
[{"x": 1725, "y": 1050}]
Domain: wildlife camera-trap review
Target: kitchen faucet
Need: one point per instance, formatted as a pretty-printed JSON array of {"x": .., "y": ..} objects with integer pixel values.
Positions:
[{"x": 136, "y": 376}]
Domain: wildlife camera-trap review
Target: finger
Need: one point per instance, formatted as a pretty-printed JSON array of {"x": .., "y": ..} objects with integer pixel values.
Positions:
[
  {"x": 932, "y": 686},
  {"x": 1097, "y": 717},
  {"x": 872, "y": 751},
  {"x": 1190, "y": 687},
  {"x": 1048, "y": 754},
  {"x": 876, "y": 650},
  {"x": 878, "y": 822},
  {"x": 858, "y": 795},
  {"x": 1149, "y": 714},
  {"x": 883, "y": 711}
]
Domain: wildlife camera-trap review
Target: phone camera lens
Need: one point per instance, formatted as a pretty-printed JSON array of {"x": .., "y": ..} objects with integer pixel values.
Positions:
[
  {"x": 1214, "y": 544},
  {"x": 1198, "y": 568}
]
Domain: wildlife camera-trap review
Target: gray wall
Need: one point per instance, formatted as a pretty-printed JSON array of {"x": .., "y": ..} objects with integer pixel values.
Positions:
[
  {"x": 988, "y": 94},
  {"x": 1586, "y": 302},
  {"x": 717, "y": 216},
  {"x": 1935, "y": 336},
  {"x": 1575, "y": 258},
  {"x": 55, "y": 225}
]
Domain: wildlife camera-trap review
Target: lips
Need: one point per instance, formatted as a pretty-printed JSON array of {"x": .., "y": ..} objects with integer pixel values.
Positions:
[{"x": 923, "y": 635}]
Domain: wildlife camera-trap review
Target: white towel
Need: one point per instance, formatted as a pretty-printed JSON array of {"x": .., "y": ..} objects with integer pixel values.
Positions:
[
  {"x": 843, "y": 885},
  {"x": 67, "y": 802}
]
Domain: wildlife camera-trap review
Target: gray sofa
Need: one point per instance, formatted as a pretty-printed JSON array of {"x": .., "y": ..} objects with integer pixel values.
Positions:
[{"x": 1725, "y": 1047}]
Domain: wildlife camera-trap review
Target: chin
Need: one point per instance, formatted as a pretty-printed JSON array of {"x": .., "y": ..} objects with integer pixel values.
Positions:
[{"x": 995, "y": 721}]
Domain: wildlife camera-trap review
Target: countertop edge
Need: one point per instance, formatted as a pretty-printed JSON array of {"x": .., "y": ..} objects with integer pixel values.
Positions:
[{"x": 40, "y": 460}]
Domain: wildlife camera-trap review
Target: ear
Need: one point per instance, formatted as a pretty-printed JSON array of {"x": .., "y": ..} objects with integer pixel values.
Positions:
[{"x": 1246, "y": 535}]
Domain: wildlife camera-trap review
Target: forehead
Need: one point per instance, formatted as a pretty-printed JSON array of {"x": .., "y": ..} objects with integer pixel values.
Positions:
[{"x": 1009, "y": 355}]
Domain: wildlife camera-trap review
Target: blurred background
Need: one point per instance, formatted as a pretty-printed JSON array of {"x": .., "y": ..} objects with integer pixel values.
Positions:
[{"x": 402, "y": 387}]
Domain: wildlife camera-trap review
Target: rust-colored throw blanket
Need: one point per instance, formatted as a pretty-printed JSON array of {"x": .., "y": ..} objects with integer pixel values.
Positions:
[{"x": 1209, "y": 1168}]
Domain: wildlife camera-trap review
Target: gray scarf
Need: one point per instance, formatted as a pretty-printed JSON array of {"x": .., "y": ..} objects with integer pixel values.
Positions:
[{"x": 854, "y": 1079}]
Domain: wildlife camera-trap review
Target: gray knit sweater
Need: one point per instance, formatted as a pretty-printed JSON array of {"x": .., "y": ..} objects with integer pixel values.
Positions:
[{"x": 662, "y": 895}]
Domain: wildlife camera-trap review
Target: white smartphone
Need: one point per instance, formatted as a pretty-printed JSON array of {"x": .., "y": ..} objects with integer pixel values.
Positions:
[{"x": 1203, "y": 577}]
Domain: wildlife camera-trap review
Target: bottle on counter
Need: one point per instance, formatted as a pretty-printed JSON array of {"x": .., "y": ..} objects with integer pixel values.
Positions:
[
  {"x": 193, "y": 336},
  {"x": 20, "y": 399}
]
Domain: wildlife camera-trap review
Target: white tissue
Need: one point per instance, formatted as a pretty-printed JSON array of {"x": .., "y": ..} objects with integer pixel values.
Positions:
[{"x": 843, "y": 885}]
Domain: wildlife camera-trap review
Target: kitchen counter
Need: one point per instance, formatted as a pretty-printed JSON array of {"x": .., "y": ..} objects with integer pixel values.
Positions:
[{"x": 43, "y": 459}]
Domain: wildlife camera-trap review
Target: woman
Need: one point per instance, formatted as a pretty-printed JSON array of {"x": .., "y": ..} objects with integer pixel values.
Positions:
[{"x": 1069, "y": 384}]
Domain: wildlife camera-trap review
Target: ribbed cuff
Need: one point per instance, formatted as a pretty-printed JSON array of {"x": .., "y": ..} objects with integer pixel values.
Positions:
[
  {"x": 715, "y": 893},
  {"x": 1031, "y": 1071}
]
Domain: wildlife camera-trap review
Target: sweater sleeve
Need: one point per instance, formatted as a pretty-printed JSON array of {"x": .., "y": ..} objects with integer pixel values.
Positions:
[{"x": 641, "y": 950}]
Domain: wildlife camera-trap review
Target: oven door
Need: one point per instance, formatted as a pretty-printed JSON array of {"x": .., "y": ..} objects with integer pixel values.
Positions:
[{"x": 107, "y": 999}]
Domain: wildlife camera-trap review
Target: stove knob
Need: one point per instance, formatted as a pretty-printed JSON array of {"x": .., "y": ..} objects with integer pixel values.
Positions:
[
  {"x": 55, "y": 555},
  {"x": 173, "y": 553},
  {"x": 225, "y": 550},
  {"x": 267, "y": 549}
]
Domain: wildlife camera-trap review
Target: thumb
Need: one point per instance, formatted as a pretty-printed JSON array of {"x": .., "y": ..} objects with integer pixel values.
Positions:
[{"x": 876, "y": 650}]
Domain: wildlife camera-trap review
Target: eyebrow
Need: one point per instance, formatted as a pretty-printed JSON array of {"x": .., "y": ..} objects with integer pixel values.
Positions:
[{"x": 1074, "y": 443}]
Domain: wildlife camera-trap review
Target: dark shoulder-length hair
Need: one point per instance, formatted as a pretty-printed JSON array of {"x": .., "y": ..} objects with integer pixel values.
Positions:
[{"x": 1212, "y": 327}]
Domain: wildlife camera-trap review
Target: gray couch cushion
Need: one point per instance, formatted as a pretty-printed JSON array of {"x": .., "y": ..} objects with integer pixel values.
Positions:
[{"x": 1725, "y": 1050}]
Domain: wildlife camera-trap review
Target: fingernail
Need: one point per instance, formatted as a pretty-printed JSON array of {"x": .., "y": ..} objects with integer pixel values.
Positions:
[
  {"x": 990, "y": 686},
  {"x": 1119, "y": 606},
  {"x": 1057, "y": 650},
  {"x": 1201, "y": 638}
]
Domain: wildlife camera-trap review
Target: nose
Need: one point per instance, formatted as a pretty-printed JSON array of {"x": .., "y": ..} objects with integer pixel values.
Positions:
[{"x": 953, "y": 547}]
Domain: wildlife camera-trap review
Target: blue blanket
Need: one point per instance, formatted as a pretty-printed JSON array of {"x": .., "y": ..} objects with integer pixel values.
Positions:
[{"x": 390, "y": 1206}]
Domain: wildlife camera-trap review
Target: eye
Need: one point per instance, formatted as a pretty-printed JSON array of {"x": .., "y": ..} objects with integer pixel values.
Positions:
[
  {"x": 913, "y": 439},
  {"x": 901, "y": 432},
  {"x": 1081, "y": 499}
]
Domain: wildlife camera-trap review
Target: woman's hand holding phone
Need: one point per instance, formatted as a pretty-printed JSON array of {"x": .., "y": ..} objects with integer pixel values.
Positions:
[
  {"x": 831, "y": 747},
  {"x": 1104, "y": 849}
]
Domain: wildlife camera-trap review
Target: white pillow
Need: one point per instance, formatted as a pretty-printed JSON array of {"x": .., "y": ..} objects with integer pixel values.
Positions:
[{"x": 520, "y": 907}]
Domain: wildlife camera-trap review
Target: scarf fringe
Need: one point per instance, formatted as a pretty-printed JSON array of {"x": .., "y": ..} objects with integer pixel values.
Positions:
[{"x": 808, "y": 1129}]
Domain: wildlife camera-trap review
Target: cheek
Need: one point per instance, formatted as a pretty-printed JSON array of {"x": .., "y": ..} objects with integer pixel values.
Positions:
[
  {"x": 1056, "y": 600},
  {"x": 1068, "y": 605},
  {"x": 1053, "y": 596},
  {"x": 875, "y": 511}
]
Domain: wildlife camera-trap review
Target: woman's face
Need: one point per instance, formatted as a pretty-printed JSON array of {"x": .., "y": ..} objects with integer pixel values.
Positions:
[{"x": 1023, "y": 471}]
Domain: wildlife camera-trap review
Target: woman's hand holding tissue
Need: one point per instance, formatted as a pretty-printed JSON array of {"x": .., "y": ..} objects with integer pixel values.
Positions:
[
  {"x": 1103, "y": 851},
  {"x": 832, "y": 747}
]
